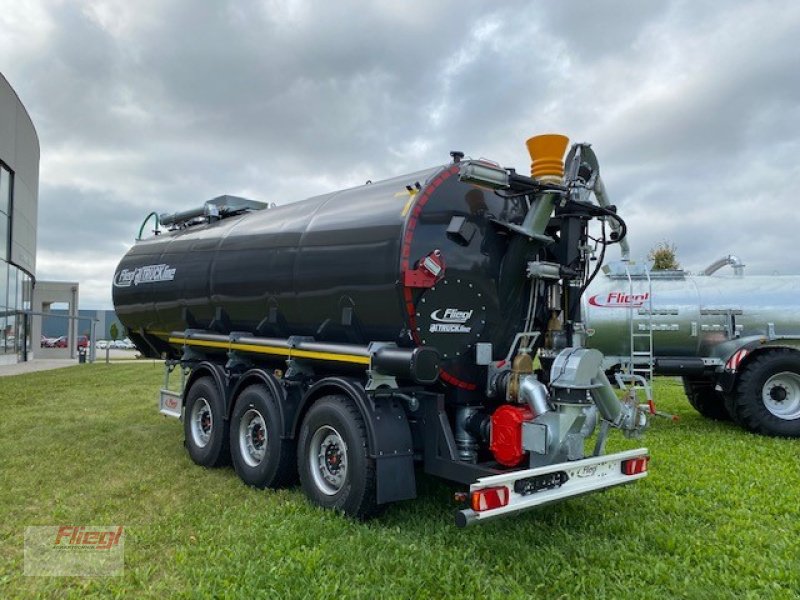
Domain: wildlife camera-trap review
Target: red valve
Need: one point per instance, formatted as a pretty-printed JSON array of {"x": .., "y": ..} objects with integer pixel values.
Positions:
[{"x": 429, "y": 270}]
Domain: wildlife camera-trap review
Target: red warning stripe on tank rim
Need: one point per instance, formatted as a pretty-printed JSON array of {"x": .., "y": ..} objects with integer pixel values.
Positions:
[{"x": 404, "y": 266}]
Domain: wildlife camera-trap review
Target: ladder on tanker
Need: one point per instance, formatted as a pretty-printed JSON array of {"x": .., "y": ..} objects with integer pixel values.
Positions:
[{"x": 637, "y": 374}]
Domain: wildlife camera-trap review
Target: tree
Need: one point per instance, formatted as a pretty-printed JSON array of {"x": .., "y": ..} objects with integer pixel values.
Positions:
[
  {"x": 113, "y": 331},
  {"x": 663, "y": 255}
]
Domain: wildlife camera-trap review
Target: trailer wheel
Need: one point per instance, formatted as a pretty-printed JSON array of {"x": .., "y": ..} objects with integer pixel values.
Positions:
[
  {"x": 767, "y": 394},
  {"x": 205, "y": 433},
  {"x": 335, "y": 469},
  {"x": 705, "y": 399},
  {"x": 261, "y": 457}
]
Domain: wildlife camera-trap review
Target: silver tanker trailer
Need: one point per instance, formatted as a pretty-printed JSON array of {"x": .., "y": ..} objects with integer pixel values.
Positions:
[
  {"x": 347, "y": 338},
  {"x": 734, "y": 339}
]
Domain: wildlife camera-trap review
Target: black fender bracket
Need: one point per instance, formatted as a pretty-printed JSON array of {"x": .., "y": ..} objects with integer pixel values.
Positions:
[{"x": 393, "y": 450}]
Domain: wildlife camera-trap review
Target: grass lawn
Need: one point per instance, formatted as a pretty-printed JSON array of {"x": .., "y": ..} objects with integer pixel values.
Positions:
[{"x": 719, "y": 515}]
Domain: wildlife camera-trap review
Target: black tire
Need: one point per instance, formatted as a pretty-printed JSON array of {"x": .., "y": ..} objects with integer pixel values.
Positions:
[
  {"x": 330, "y": 419},
  {"x": 204, "y": 408},
  {"x": 260, "y": 456},
  {"x": 759, "y": 377},
  {"x": 705, "y": 399}
]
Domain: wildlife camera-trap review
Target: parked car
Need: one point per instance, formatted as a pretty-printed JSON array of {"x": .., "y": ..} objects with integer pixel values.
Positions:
[
  {"x": 60, "y": 342},
  {"x": 101, "y": 344}
]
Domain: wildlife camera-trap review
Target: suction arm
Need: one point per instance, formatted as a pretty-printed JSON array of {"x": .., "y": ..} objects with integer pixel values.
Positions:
[
  {"x": 732, "y": 260},
  {"x": 599, "y": 189},
  {"x": 584, "y": 169}
]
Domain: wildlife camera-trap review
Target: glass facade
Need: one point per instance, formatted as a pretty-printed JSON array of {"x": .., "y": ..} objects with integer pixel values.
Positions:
[
  {"x": 5, "y": 212},
  {"x": 15, "y": 284}
]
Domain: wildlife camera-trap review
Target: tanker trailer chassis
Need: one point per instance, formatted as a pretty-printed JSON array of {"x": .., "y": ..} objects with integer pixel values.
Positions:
[
  {"x": 291, "y": 368},
  {"x": 405, "y": 425}
]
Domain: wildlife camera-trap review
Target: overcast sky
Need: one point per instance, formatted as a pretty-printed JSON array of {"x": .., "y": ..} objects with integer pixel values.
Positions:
[{"x": 692, "y": 107}]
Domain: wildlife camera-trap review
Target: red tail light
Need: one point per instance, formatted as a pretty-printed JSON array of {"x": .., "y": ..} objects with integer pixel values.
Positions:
[
  {"x": 634, "y": 466},
  {"x": 489, "y": 498}
]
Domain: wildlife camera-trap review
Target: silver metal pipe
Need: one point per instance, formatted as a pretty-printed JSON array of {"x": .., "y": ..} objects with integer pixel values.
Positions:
[
  {"x": 538, "y": 217},
  {"x": 591, "y": 421},
  {"x": 599, "y": 189},
  {"x": 732, "y": 260},
  {"x": 167, "y": 220},
  {"x": 606, "y": 400},
  {"x": 465, "y": 441},
  {"x": 535, "y": 394}
]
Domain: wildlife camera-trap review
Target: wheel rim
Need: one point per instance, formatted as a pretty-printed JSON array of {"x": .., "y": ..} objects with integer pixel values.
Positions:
[
  {"x": 781, "y": 395},
  {"x": 328, "y": 460},
  {"x": 202, "y": 422},
  {"x": 252, "y": 437}
]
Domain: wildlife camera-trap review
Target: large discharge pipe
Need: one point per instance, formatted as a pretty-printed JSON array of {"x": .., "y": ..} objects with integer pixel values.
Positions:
[{"x": 732, "y": 260}]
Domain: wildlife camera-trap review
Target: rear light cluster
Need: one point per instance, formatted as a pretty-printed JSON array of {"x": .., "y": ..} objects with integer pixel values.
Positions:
[
  {"x": 635, "y": 466},
  {"x": 489, "y": 498}
]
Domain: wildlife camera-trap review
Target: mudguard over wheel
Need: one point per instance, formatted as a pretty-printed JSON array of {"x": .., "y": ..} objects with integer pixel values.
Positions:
[
  {"x": 261, "y": 456},
  {"x": 705, "y": 399},
  {"x": 335, "y": 469},
  {"x": 204, "y": 428},
  {"x": 767, "y": 393}
]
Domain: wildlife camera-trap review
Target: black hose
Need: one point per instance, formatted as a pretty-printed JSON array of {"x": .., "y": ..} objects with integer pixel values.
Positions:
[
  {"x": 599, "y": 261},
  {"x": 608, "y": 213},
  {"x": 597, "y": 211}
]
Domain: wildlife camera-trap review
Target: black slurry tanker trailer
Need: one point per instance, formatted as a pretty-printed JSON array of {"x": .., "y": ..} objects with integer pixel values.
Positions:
[{"x": 351, "y": 336}]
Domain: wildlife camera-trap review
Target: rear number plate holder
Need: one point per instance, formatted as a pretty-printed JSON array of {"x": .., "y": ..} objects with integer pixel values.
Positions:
[{"x": 548, "y": 481}]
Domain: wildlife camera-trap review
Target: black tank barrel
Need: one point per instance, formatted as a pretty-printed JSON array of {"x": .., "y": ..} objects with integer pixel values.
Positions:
[{"x": 414, "y": 261}]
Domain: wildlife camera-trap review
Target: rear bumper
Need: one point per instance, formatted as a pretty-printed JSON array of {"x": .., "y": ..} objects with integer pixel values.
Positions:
[{"x": 582, "y": 477}]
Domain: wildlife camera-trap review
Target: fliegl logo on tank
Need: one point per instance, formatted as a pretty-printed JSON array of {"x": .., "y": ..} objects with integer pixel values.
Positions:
[
  {"x": 146, "y": 274},
  {"x": 619, "y": 300},
  {"x": 450, "y": 320}
]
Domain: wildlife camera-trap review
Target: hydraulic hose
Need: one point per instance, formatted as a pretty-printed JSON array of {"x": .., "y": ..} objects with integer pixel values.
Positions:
[{"x": 146, "y": 219}]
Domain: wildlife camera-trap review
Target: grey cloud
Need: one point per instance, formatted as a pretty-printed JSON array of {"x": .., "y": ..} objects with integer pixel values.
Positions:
[{"x": 693, "y": 109}]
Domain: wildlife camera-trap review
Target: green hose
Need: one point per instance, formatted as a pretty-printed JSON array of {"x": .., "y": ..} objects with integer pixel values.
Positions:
[{"x": 146, "y": 219}]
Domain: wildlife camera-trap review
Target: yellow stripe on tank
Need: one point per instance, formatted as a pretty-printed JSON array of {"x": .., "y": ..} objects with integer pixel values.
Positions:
[{"x": 275, "y": 350}]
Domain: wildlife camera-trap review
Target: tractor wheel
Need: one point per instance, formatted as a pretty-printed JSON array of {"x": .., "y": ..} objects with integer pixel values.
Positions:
[{"x": 767, "y": 394}]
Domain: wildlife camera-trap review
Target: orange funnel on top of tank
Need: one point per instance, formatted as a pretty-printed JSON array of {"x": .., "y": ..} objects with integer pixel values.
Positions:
[{"x": 547, "y": 156}]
